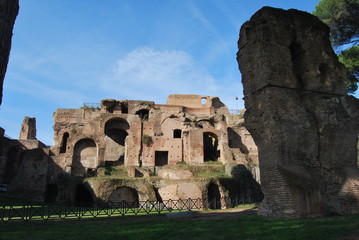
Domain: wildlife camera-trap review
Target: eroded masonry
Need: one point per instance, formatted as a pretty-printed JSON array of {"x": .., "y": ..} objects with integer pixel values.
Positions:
[
  {"x": 298, "y": 112},
  {"x": 190, "y": 147}
]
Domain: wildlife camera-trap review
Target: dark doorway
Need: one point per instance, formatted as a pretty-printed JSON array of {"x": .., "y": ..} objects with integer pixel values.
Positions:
[
  {"x": 210, "y": 147},
  {"x": 51, "y": 193},
  {"x": 124, "y": 107},
  {"x": 161, "y": 158},
  {"x": 126, "y": 194},
  {"x": 214, "y": 196},
  {"x": 83, "y": 197},
  {"x": 143, "y": 114},
  {"x": 177, "y": 133},
  {"x": 63, "y": 147}
]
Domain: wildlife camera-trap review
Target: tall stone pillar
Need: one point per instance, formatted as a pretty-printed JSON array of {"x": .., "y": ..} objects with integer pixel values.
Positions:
[
  {"x": 28, "y": 129},
  {"x": 8, "y": 12},
  {"x": 298, "y": 112}
]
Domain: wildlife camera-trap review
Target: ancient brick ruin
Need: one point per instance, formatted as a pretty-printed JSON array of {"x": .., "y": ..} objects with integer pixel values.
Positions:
[
  {"x": 135, "y": 150},
  {"x": 304, "y": 124}
]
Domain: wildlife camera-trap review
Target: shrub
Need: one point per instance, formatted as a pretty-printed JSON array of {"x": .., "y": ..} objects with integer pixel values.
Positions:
[{"x": 147, "y": 140}]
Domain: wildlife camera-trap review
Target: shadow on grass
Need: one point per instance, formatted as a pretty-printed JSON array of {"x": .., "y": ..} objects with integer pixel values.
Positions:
[{"x": 227, "y": 225}]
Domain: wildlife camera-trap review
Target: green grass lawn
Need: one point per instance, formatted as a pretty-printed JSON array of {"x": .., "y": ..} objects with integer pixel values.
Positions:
[{"x": 242, "y": 227}]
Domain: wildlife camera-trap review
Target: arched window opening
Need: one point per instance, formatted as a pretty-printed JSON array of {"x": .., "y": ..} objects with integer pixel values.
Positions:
[
  {"x": 127, "y": 194},
  {"x": 51, "y": 193},
  {"x": 117, "y": 123},
  {"x": 203, "y": 100},
  {"x": 177, "y": 133},
  {"x": 210, "y": 147},
  {"x": 83, "y": 196},
  {"x": 214, "y": 196},
  {"x": 63, "y": 146}
]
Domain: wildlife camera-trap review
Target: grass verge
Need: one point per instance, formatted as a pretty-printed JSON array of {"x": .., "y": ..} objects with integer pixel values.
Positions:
[{"x": 243, "y": 227}]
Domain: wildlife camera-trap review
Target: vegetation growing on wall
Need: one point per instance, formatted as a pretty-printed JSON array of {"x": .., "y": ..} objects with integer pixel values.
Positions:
[
  {"x": 90, "y": 106},
  {"x": 147, "y": 140}
]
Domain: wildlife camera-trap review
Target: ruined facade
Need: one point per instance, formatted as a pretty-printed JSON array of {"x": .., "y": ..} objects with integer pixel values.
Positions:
[
  {"x": 142, "y": 133},
  {"x": 304, "y": 124},
  {"x": 158, "y": 151}
]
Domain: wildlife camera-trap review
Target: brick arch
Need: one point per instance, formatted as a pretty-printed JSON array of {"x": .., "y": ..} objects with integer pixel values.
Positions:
[
  {"x": 116, "y": 122},
  {"x": 116, "y": 132},
  {"x": 85, "y": 156},
  {"x": 204, "y": 123},
  {"x": 127, "y": 194}
]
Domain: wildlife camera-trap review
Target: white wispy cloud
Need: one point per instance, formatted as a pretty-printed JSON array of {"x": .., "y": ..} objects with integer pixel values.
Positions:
[
  {"x": 201, "y": 18},
  {"x": 145, "y": 73},
  {"x": 219, "y": 45},
  {"x": 42, "y": 91}
]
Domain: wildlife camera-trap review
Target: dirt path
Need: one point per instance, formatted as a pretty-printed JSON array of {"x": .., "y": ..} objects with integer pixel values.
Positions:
[{"x": 225, "y": 213}]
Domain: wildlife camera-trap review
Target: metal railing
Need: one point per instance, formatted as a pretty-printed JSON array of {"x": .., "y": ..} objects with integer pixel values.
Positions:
[
  {"x": 26, "y": 212},
  {"x": 235, "y": 111}
]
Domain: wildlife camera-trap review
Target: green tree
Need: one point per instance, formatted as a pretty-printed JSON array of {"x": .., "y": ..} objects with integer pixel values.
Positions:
[
  {"x": 350, "y": 59},
  {"x": 342, "y": 16}
]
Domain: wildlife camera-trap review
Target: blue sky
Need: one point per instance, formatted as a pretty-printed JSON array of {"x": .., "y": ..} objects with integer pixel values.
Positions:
[{"x": 68, "y": 52}]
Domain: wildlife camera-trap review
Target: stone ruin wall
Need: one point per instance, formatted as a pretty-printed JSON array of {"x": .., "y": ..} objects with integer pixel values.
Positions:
[
  {"x": 85, "y": 144},
  {"x": 161, "y": 122},
  {"x": 24, "y": 163},
  {"x": 28, "y": 129},
  {"x": 304, "y": 124}
]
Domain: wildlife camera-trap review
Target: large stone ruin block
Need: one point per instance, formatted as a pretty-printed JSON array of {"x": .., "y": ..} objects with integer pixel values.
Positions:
[{"x": 298, "y": 112}]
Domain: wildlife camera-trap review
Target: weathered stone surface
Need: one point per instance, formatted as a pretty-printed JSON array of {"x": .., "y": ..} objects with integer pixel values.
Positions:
[
  {"x": 91, "y": 137},
  {"x": 304, "y": 124},
  {"x": 31, "y": 175},
  {"x": 181, "y": 190},
  {"x": 175, "y": 174},
  {"x": 198, "y": 104},
  {"x": 28, "y": 129},
  {"x": 107, "y": 190},
  {"x": 8, "y": 12},
  {"x": 170, "y": 142}
]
